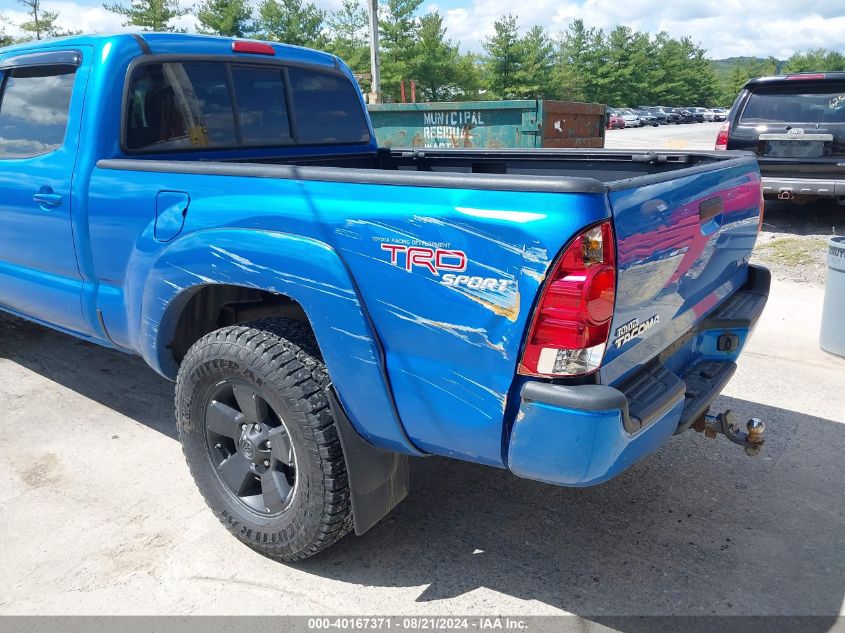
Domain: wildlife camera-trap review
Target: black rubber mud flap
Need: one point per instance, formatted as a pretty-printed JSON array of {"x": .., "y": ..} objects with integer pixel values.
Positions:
[{"x": 378, "y": 479}]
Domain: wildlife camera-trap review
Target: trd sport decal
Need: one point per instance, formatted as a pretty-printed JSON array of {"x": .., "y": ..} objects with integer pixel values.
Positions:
[
  {"x": 432, "y": 259},
  {"x": 441, "y": 260},
  {"x": 632, "y": 329}
]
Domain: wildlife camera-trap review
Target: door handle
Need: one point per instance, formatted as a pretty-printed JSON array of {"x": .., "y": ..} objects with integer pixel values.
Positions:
[{"x": 46, "y": 199}]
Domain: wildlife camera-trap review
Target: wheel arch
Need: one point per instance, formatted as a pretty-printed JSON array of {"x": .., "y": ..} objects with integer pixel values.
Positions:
[{"x": 300, "y": 276}]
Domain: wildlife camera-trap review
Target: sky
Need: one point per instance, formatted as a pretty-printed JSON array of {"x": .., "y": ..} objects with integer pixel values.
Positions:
[{"x": 726, "y": 28}]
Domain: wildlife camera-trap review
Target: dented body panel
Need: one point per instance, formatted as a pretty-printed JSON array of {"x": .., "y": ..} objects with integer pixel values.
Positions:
[{"x": 449, "y": 349}]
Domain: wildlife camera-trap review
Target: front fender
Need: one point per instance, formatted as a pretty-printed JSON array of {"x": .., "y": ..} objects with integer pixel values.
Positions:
[{"x": 306, "y": 270}]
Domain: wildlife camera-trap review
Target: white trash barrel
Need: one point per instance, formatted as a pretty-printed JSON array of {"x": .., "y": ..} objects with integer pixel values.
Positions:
[{"x": 832, "y": 337}]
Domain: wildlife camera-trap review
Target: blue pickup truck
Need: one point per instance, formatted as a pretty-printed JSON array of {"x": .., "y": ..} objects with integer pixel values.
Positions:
[{"x": 328, "y": 308}]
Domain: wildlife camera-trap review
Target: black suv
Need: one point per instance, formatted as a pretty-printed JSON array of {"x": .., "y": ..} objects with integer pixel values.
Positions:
[{"x": 796, "y": 126}]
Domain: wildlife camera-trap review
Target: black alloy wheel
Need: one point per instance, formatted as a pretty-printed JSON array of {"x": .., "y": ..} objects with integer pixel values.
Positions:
[
  {"x": 260, "y": 439},
  {"x": 250, "y": 448}
]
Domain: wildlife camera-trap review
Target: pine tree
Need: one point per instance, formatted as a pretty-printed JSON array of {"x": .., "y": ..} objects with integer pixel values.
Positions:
[
  {"x": 43, "y": 23},
  {"x": 149, "y": 15},
  {"x": 742, "y": 72},
  {"x": 700, "y": 86},
  {"x": 435, "y": 65},
  {"x": 398, "y": 32},
  {"x": 505, "y": 58},
  {"x": 618, "y": 74},
  {"x": 348, "y": 27},
  {"x": 470, "y": 83},
  {"x": 232, "y": 18},
  {"x": 5, "y": 38},
  {"x": 535, "y": 77},
  {"x": 292, "y": 22},
  {"x": 817, "y": 60},
  {"x": 574, "y": 66},
  {"x": 631, "y": 68}
]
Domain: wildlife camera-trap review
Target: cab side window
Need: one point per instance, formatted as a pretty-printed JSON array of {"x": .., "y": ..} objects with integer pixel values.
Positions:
[
  {"x": 34, "y": 110},
  {"x": 179, "y": 106}
]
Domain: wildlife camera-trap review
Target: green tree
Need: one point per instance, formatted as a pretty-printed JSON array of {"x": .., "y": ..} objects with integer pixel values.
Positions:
[
  {"x": 505, "y": 58},
  {"x": 292, "y": 22},
  {"x": 149, "y": 15},
  {"x": 618, "y": 71},
  {"x": 43, "y": 23},
  {"x": 436, "y": 64},
  {"x": 690, "y": 79},
  {"x": 742, "y": 71},
  {"x": 470, "y": 83},
  {"x": 535, "y": 77},
  {"x": 576, "y": 62},
  {"x": 398, "y": 33},
  {"x": 669, "y": 57},
  {"x": 629, "y": 68},
  {"x": 816, "y": 60},
  {"x": 5, "y": 38},
  {"x": 348, "y": 28},
  {"x": 232, "y": 18}
]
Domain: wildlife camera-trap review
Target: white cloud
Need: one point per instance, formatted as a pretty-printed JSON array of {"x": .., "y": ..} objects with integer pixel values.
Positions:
[{"x": 724, "y": 27}]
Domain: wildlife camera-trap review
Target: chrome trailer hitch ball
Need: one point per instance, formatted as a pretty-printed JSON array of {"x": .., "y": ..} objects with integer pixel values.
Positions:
[{"x": 751, "y": 439}]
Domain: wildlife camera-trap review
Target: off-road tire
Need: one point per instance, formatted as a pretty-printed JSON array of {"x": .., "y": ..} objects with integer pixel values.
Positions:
[{"x": 282, "y": 362}]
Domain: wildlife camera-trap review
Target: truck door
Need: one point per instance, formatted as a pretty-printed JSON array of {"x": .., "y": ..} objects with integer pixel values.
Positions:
[{"x": 41, "y": 98}]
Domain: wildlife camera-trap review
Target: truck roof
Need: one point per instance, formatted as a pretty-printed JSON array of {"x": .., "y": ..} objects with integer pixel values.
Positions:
[{"x": 175, "y": 43}]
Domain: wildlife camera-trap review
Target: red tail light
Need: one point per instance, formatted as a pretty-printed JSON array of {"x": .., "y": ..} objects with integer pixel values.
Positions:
[
  {"x": 722, "y": 137},
  {"x": 806, "y": 76},
  {"x": 572, "y": 319},
  {"x": 256, "y": 48}
]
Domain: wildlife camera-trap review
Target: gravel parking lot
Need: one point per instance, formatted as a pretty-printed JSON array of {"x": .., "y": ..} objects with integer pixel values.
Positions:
[
  {"x": 687, "y": 136},
  {"x": 101, "y": 516}
]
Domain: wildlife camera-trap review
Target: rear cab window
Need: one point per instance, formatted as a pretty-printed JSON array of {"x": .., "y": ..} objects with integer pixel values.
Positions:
[
  {"x": 196, "y": 105},
  {"x": 800, "y": 103},
  {"x": 34, "y": 108},
  {"x": 793, "y": 119}
]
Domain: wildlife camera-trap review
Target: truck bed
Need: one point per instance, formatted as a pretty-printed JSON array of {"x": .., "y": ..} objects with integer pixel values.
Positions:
[
  {"x": 593, "y": 171},
  {"x": 684, "y": 224}
]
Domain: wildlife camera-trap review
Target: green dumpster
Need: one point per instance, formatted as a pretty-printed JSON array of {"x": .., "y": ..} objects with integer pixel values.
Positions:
[{"x": 489, "y": 124}]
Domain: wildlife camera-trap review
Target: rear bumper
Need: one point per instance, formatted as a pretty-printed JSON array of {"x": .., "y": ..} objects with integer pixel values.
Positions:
[
  {"x": 828, "y": 187},
  {"x": 586, "y": 434}
]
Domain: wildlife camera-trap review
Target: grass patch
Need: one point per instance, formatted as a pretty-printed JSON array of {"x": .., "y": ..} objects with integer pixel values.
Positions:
[{"x": 795, "y": 251}]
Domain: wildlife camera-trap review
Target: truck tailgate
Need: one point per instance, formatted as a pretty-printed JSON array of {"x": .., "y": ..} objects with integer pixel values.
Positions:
[{"x": 682, "y": 248}]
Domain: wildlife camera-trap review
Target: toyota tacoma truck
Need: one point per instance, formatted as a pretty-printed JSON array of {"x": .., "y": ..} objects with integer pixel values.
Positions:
[
  {"x": 329, "y": 309},
  {"x": 795, "y": 124}
]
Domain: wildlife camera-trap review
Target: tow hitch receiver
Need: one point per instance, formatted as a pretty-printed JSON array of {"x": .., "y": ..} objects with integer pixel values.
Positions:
[{"x": 711, "y": 425}]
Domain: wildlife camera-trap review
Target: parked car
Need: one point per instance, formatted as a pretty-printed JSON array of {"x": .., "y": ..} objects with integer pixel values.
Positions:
[
  {"x": 795, "y": 124},
  {"x": 614, "y": 121},
  {"x": 666, "y": 115},
  {"x": 630, "y": 117},
  {"x": 715, "y": 114},
  {"x": 684, "y": 115},
  {"x": 697, "y": 114},
  {"x": 659, "y": 114},
  {"x": 329, "y": 308},
  {"x": 647, "y": 118}
]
